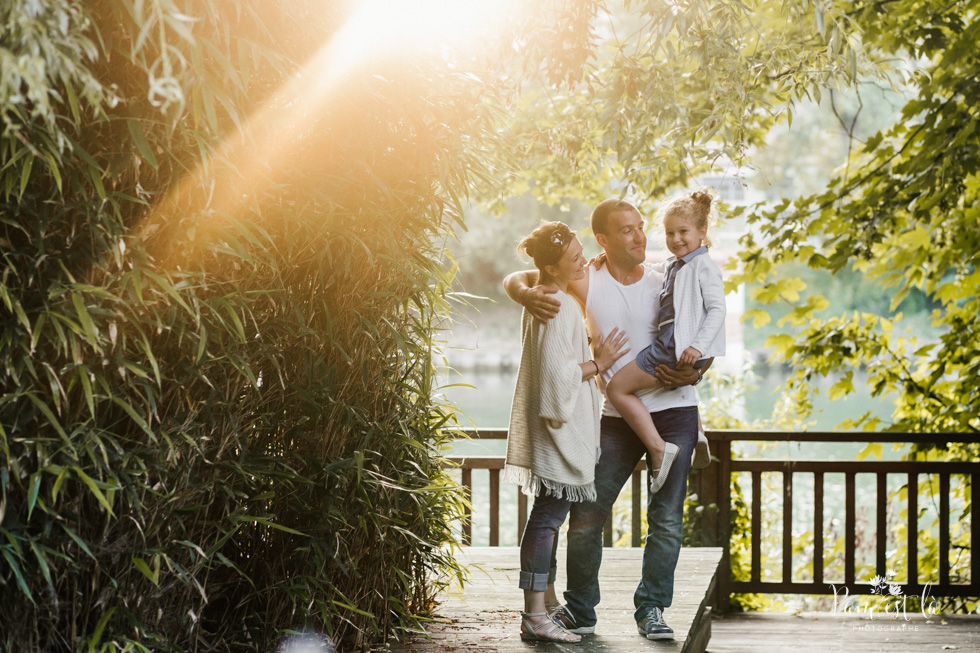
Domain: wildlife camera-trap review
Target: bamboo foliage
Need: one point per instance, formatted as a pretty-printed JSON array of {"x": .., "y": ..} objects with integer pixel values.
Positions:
[{"x": 215, "y": 413}]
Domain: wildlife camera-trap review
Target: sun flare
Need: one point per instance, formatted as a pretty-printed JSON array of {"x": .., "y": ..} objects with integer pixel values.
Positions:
[{"x": 380, "y": 29}]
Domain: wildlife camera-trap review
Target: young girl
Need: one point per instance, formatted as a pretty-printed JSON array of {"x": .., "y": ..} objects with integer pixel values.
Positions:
[
  {"x": 553, "y": 438},
  {"x": 690, "y": 326}
]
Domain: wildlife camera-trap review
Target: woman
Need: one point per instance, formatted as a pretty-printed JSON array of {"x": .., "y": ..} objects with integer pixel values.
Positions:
[{"x": 553, "y": 438}]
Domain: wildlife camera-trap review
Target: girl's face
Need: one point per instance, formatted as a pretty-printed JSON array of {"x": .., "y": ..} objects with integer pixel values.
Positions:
[
  {"x": 571, "y": 266},
  {"x": 681, "y": 236}
]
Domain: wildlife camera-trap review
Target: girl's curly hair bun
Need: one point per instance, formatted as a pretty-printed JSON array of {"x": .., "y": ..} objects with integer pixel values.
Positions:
[{"x": 702, "y": 198}]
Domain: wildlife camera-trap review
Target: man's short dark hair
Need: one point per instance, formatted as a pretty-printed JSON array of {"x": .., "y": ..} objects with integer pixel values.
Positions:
[{"x": 600, "y": 214}]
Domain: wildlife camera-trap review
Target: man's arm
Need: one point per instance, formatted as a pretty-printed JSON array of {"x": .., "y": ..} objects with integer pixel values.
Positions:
[{"x": 520, "y": 287}]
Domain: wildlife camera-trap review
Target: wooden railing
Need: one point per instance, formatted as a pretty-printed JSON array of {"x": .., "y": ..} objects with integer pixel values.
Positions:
[
  {"x": 714, "y": 486},
  {"x": 495, "y": 464}
]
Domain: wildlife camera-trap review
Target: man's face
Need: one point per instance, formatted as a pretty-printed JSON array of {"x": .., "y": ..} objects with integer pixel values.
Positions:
[{"x": 625, "y": 243}]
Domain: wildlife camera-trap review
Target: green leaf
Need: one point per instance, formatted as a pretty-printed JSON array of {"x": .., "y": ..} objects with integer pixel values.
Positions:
[
  {"x": 153, "y": 575},
  {"x": 267, "y": 522},
  {"x": 15, "y": 567},
  {"x": 32, "y": 490},
  {"x": 843, "y": 387},
  {"x": 139, "y": 137},
  {"x": 88, "y": 326},
  {"x": 94, "y": 489},
  {"x": 53, "y": 421},
  {"x": 96, "y": 636},
  {"x": 759, "y": 317},
  {"x": 135, "y": 417},
  {"x": 25, "y": 175},
  {"x": 873, "y": 449}
]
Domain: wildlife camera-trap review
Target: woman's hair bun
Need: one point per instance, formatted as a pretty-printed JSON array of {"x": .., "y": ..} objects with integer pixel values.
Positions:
[{"x": 546, "y": 244}]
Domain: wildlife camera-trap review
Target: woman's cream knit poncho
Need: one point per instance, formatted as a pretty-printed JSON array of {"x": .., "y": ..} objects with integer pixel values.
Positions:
[{"x": 553, "y": 439}]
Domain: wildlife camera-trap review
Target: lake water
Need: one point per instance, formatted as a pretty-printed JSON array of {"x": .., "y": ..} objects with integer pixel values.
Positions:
[{"x": 483, "y": 398}]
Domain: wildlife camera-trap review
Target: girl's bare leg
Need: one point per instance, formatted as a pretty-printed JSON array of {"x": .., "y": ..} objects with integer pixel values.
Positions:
[{"x": 621, "y": 391}]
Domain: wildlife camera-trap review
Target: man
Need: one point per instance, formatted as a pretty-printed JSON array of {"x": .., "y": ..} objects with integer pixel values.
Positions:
[{"x": 624, "y": 292}]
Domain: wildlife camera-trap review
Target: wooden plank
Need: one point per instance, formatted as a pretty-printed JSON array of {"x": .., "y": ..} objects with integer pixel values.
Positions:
[
  {"x": 787, "y": 526},
  {"x": 944, "y": 529},
  {"x": 850, "y": 514},
  {"x": 756, "y": 526},
  {"x": 521, "y": 514},
  {"x": 974, "y": 533},
  {"x": 467, "y": 484},
  {"x": 724, "y": 485},
  {"x": 881, "y": 528},
  {"x": 700, "y": 635},
  {"x": 818, "y": 528},
  {"x": 494, "y": 507},
  {"x": 913, "y": 534},
  {"x": 835, "y": 633},
  {"x": 637, "y": 534},
  {"x": 485, "y": 615}
]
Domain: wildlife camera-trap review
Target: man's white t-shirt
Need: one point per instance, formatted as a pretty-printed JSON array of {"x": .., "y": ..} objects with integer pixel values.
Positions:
[{"x": 634, "y": 309}]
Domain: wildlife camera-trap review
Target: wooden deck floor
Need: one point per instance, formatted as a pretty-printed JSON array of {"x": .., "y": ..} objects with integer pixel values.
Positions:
[
  {"x": 829, "y": 633},
  {"x": 486, "y": 617}
]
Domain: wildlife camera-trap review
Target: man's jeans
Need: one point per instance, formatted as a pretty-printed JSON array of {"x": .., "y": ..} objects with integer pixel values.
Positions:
[
  {"x": 539, "y": 544},
  {"x": 621, "y": 451}
]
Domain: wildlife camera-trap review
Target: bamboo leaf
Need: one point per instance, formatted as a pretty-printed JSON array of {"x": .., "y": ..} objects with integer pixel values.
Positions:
[
  {"x": 265, "y": 521},
  {"x": 86, "y": 384},
  {"x": 144, "y": 568},
  {"x": 88, "y": 326},
  {"x": 94, "y": 489},
  {"x": 96, "y": 636},
  {"x": 42, "y": 562},
  {"x": 12, "y": 563},
  {"x": 52, "y": 420},
  {"x": 139, "y": 137},
  {"x": 79, "y": 541},
  {"x": 25, "y": 175},
  {"x": 135, "y": 417},
  {"x": 32, "y": 490}
]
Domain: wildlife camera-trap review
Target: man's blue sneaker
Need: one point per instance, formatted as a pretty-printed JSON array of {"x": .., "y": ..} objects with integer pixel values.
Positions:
[
  {"x": 653, "y": 625},
  {"x": 565, "y": 617}
]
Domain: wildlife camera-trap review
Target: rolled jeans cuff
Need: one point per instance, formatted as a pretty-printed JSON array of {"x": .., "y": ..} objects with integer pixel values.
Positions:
[{"x": 532, "y": 581}]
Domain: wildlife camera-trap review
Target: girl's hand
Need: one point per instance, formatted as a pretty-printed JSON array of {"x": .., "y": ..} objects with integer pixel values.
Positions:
[
  {"x": 598, "y": 259},
  {"x": 690, "y": 356},
  {"x": 610, "y": 349}
]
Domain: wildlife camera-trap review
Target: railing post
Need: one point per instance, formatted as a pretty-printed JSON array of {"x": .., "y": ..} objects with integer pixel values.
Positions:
[
  {"x": 637, "y": 506},
  {"x": 521, "y": 514},
  {"x": 494, "y": 507},
  {"x": 467, "y": 510},
  {"x": 720, "y": 493}
]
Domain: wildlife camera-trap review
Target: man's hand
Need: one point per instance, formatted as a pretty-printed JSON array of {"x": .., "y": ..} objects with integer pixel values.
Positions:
[
  {"x": 675, "y": 378},
  {"x": 539, "y": 302}
]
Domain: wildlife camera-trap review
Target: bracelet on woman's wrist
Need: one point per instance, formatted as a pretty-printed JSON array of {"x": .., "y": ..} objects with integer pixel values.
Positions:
[
  {"x": 596, "y": 367},
  {"x": 521, "y": 302}
]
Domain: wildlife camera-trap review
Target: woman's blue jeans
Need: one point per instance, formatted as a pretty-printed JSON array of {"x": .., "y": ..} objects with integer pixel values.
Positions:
[
  {"x": 539, "y": 544},
  {"x": 621, "y": 451}
]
